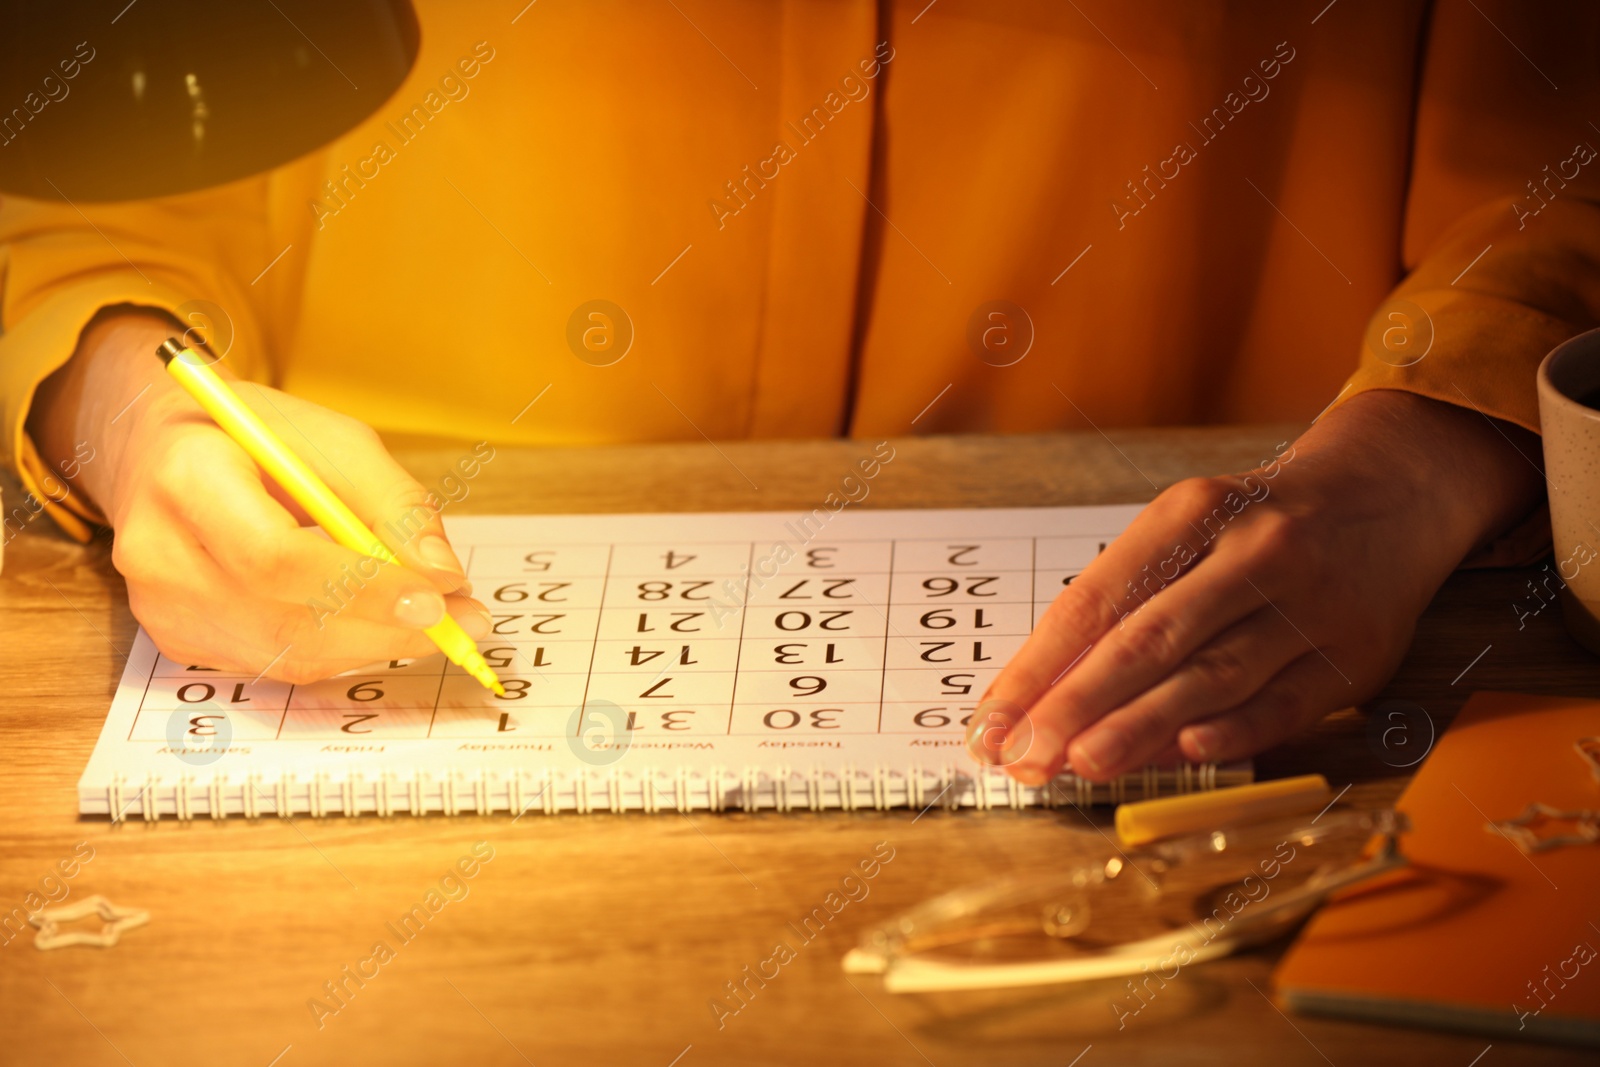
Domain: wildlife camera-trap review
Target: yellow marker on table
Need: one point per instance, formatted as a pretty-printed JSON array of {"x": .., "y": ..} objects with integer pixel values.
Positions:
[
  {"x": 308, "y": 490},
  {"x": 1148, "y": 820}
]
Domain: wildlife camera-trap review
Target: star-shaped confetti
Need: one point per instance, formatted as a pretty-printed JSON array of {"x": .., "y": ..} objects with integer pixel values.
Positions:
[
  {"x": 1588, "y": 749},
  {"x": 1531, "y": 831},
  {"x": 116, "y": 920}
]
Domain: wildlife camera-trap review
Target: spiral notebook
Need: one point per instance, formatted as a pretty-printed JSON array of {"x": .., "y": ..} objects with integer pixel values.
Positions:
[{"x": 827, "y": 659}]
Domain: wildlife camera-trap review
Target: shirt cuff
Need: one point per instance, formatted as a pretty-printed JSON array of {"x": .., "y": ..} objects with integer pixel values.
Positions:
[
  {"x": 1468, "y": 349},
  {"x": 32, "y": 349}
]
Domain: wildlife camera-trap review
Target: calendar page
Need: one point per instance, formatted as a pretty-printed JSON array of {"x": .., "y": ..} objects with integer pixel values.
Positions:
[{"x": 758, "y": 660}]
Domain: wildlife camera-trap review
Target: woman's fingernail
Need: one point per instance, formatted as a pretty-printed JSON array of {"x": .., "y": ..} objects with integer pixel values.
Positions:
[
  {"x": 975, "y": 745},
  {"x": 1203, "y": 741},
  {"x": 1029, "y": 774},
  {"x": 1030, "y": 757},
  {"x": 419, "y": 610},
  {"x": 436, "y": 552},
  {"x": 1018, "y": 743},
  {"x": 1102, "y": 749},
  {"x": 478, "y": 624},
  {"x": 989, "y": 727}
]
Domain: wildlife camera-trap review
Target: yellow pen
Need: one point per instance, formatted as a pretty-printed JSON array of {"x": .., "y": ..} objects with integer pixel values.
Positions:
[
  {"x": 1148, "y": 820},
  {"x": 308, "y": 490}
]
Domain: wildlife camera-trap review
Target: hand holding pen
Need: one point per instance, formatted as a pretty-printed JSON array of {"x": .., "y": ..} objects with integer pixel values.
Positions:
[{"x": 223, "y": 565}]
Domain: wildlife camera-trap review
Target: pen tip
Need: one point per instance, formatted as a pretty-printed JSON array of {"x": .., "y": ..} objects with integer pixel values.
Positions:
[{"x": 486, "y": 677}]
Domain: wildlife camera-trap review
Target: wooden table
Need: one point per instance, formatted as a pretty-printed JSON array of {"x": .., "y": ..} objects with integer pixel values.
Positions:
[{"x": 602, "y": 939}]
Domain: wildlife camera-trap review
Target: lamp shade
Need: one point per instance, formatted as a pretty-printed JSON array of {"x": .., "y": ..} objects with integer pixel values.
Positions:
[{"x": 110, "y": 100}]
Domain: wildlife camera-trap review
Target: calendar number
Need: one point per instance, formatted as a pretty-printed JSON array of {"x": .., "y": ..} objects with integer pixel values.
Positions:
[
  {"x": 789, "y": 718},
  {"x": 501, "y": 657},
  {"x": 516, "y": 592},
  {"x": 200, "y": 692},
  {"x": 658, "y": 690},
  {"x": 808, "y": 685},
  {"x": 788, "y": 656},
  {"x": 677, "y": 719},
  {"x": 957, "y": 685},
  {"x": 936, "y": 718},
  {"x": 944, "y": 618},
  {"x": 680, "y": 622},
  {"x": 824, "y": 620},
  {"x": 537, "y": 561},
  {"x": 365, "y": 691},
  {"x": 638, "y": 656},
  {"x": 658, "y": 590},
  {"x": 540, "y": 624},
  {"x": 808, "y": 588},
  {"x": 974, "y": 586},
  {"x": 932, "y": 652}
]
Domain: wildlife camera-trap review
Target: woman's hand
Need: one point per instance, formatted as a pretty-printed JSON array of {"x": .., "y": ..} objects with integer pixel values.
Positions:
[
  {"x": 223, "y": 569},
  {"x": 1237, "y": 611}
]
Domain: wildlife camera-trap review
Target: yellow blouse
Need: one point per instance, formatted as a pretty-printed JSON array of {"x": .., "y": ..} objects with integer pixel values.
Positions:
[{"x": 631, "y": 221}]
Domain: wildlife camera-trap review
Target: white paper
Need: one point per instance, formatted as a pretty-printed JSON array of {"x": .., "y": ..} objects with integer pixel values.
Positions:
[{"x": 756, "y": 660}]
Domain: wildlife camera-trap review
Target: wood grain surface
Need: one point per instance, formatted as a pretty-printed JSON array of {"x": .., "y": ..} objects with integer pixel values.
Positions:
[{"x": 601, "y": 939}]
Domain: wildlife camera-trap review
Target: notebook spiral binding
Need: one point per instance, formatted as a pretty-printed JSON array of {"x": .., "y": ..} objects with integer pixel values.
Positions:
[{"x": 751, "y": 789}]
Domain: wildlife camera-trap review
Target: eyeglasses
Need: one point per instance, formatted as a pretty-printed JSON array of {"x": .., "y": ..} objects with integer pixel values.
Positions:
[{"x": 1157, "y": 908}]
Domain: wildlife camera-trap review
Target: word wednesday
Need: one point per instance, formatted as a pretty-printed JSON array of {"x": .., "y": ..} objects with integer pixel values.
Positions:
[{"x": 339, "y": 192}]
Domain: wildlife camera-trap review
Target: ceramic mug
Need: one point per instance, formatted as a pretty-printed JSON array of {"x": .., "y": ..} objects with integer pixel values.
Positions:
[{"x": 1569, "y": 390}]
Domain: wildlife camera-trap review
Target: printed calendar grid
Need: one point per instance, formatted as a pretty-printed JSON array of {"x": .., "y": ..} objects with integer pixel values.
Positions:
[
  {"x": 780, "y": 706},
  {"x": 430, "y": 698}
]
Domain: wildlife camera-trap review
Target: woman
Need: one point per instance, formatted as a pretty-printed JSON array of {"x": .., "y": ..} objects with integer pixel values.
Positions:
[{"x": 740, "y": 220}]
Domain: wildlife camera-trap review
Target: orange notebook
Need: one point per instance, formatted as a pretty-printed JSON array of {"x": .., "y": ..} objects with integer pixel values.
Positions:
[{"x": 1477, "y": 935}]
